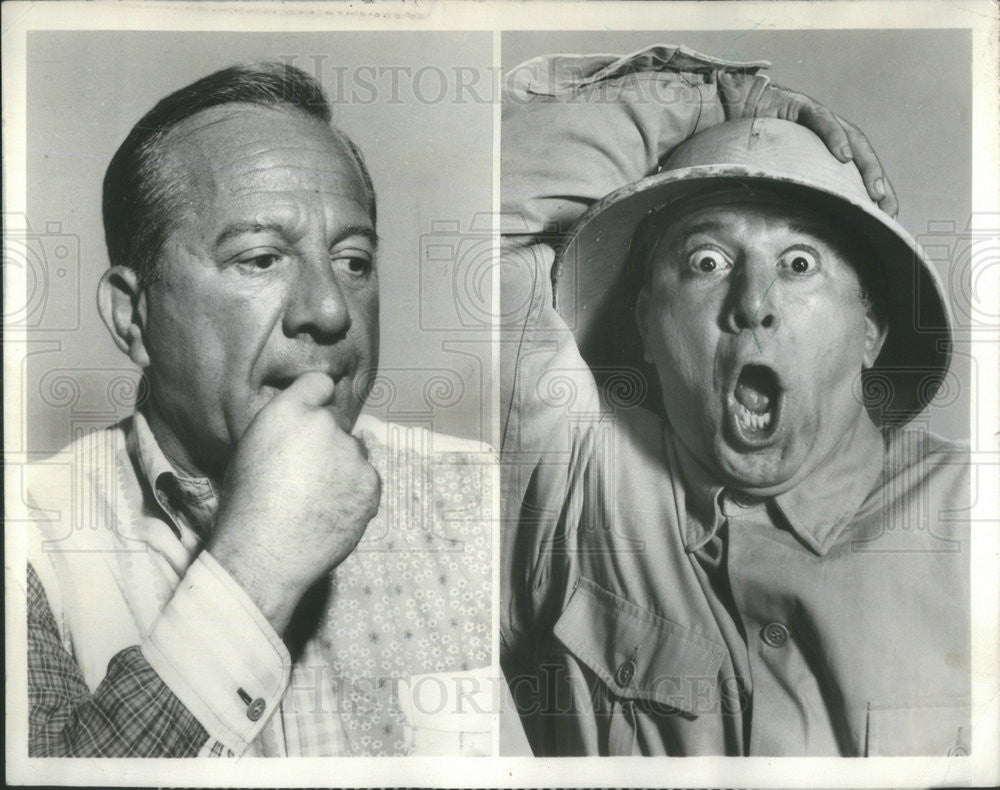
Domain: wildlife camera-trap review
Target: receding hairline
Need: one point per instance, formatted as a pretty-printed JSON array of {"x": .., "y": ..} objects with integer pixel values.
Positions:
[
  {"x": 138, "y": 203},
  {"x": 187, "y": 128},
  {"x": 178, "y": 175}
]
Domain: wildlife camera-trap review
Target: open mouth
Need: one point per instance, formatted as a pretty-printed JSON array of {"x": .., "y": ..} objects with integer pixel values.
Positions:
[{"x": 756, "y": 398}]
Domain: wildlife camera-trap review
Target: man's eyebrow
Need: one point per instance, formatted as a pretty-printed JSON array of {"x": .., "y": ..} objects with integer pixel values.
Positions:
[
  {"x": 814, "y": 226},
  {"x": 367, "y": 232},
  {"x": 702, "y": 227},
  {"x": 238, "y": 228}
]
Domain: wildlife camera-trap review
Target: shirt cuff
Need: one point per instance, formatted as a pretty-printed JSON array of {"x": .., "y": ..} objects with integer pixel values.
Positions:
[{"x": 219, "y": 655}]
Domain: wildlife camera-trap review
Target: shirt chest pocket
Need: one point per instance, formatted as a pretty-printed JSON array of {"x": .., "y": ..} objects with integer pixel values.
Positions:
[
  {"x": 919, "y": 727},
  {"x": 647, "y": 663}
]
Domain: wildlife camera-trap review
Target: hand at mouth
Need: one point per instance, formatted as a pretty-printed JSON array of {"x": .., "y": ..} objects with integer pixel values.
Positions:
[{"x": 283, "y": 379}]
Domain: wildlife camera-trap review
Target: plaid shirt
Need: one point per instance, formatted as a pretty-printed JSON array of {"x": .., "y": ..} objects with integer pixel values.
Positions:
[
  {"x": 131, "y": 714},
  {"x": 140, "y": 644}
]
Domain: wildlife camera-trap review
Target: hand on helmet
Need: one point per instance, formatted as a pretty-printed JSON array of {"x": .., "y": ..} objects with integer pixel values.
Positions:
[{"x": 845, "y": 140}]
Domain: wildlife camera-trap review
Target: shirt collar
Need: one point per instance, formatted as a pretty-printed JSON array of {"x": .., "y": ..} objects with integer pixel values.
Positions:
[
  {"x": 188, "y": 501},
  {"x": 816, "y": 509},
  {"x": 193, "y": 501}
]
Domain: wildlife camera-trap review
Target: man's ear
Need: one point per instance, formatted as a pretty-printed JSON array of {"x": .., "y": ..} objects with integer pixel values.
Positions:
[
  {"x": 641, "y": 313},
  {"x": 876, "y": 331},
  {"x": 121, "y": 300}
]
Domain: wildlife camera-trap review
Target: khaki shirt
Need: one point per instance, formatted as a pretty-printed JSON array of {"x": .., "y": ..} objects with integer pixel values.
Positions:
[
  {"x": 830, "y": 620},
  {"x": 645, "y": 610}
]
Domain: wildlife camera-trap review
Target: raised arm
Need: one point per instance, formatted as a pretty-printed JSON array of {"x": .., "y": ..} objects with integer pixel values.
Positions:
[{"x": 576, "y": 128}]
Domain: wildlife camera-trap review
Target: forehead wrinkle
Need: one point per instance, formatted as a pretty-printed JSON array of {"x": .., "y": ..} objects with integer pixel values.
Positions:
[
  {"x": 258, "y": 138},
  {"x": 705, "y": 226},
  {"x": 818, "y": 229},
  {"x": 343, "y": 172},
  {"x": 316, "y": 160}
]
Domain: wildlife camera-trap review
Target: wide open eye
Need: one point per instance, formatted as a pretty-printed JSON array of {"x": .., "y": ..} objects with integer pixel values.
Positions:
[
  {"x": 355, "y": 263},
  {"x": 799, "y": 261},
  {"x": 708, "y": 261}
]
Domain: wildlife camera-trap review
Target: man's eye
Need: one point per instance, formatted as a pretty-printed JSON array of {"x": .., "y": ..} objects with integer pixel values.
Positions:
[
  {"x": 708, "y": 261},
  {"x": 259, "y": 262},
  {"x": 357, "y": 265},
  {"x": 799, "y": 262}
]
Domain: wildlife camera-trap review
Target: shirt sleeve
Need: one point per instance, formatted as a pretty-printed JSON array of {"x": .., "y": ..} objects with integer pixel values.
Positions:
[
  {"x": 219, "y": 655},
  {"x": 132, "y": 713},
  {"x": 575, "y": 128}
]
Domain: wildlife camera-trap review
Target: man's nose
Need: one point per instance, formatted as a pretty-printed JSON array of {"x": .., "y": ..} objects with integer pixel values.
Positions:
[
  {"x": 316, "y": 304},
  {"x": 753, "y": 302}
]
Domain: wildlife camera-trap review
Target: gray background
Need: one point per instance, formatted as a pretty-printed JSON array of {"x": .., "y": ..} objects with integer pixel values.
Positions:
[
  {"x": 911, "y": 93},
  {"x": 431, "y": 158},
  {"x": 427, "y": 142},
  {"x": 909, "y": 90}
]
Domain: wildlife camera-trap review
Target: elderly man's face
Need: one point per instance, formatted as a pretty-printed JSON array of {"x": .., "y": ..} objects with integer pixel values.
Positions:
[
  {"x": 269, "y": 274},
  {"x": 754, "y": 321}
]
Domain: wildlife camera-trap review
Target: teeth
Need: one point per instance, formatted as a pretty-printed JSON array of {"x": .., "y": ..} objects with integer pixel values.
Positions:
[{"x": 749, "y": 420}]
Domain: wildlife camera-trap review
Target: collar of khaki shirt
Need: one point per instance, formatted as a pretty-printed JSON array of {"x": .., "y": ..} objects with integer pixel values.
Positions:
[{"x": 817, "y": 508}]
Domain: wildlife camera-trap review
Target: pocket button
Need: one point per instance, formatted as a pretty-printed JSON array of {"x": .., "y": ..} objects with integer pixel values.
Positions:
[
  {"x": 775, "y": 634},
  {"x": 625, "y": 673}
]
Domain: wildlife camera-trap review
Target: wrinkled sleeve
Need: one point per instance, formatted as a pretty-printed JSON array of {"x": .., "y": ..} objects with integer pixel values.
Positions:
[
  {"x": 204, "y": 681},
  {"x": 132, "y": 713},
  {"x": 217, "y": 652},
  {"x": 574, "y": 129}
]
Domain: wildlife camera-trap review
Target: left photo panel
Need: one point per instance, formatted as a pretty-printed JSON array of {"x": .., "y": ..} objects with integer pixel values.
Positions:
[{"x": 252, "y": 467}]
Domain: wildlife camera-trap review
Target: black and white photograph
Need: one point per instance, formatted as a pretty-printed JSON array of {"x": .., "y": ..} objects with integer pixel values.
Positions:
[
  {"x": 461, "y": 394},
  {"x": 281, "y": 222},
  {"x": 740, "y": 400}
]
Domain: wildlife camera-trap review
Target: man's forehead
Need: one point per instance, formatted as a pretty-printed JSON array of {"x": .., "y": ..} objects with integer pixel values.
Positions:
[
  {"x": 234, "y": 140},
  {"x": 251, "y": 163}
]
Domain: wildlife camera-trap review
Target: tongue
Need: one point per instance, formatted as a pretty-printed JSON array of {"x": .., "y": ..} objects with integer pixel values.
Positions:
[{"x": 751, "y": 398}]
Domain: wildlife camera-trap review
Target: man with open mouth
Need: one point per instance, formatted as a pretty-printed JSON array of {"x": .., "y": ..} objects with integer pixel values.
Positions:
[{"x": 729, "y": 540}]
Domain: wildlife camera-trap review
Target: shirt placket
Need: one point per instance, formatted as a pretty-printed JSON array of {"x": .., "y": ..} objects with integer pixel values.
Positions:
[{"x": 787, "y": 712}]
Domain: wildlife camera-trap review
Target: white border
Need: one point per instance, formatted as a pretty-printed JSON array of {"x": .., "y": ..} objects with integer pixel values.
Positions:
[{"x": 980, "y": 16}]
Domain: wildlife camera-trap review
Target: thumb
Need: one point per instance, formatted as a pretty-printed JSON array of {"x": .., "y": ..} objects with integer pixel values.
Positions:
[{"x": 312, "y": 388}]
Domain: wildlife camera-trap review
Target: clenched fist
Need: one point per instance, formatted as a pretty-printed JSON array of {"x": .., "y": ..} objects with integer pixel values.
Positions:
[{"x": 296, "y": 499}]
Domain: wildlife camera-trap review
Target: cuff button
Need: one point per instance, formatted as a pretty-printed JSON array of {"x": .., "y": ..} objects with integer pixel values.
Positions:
[{"x": 256, "y": 709}]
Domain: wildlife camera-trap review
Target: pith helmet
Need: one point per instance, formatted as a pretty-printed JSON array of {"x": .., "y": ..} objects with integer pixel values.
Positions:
[{"x": 597, "y": 299}]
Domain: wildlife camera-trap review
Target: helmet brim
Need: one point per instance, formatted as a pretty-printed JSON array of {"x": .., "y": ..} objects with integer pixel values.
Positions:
[{"x": 597, "y": 299}]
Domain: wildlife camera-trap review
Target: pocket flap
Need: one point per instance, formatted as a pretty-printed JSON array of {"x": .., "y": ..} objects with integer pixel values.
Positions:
[
  {"x": 919, "y": 727},
  {"x": 636, "y": 652}
]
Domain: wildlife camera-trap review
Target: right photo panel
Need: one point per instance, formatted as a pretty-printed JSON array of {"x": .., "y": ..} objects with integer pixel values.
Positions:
[{"x": 736, "y": 367}]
